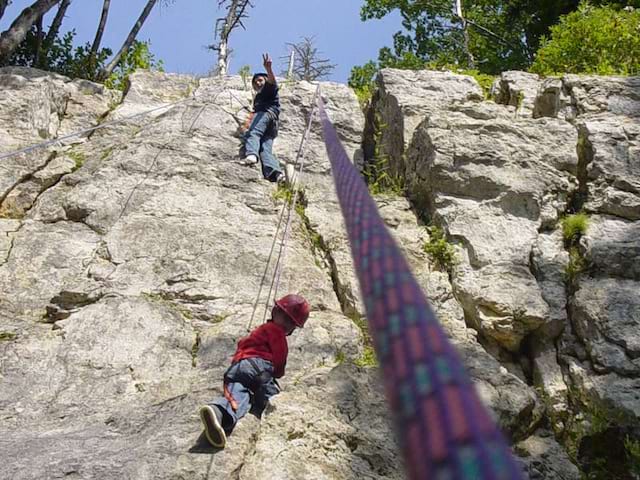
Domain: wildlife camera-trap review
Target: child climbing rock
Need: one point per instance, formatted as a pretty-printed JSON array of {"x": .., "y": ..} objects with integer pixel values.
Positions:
[
  {"x": 250, "y": 380},
  {"x": 258, "y": 140}
]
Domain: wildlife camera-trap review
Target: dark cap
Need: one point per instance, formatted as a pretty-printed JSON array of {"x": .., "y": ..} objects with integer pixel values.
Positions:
[{"x": 261, "y": 74}]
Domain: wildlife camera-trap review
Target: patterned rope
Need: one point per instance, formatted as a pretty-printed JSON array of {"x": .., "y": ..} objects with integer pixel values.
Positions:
[{"x": 444, "y": 430}]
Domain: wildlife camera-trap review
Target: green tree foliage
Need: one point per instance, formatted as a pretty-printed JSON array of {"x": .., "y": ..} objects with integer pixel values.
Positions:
[
  {"x": 61, "y": 56},
  {"x": 137, "y": 57},
  {"x": 503, "y": 34},
  {"x": 596, "y": 40},
  {"x": 361, "y": 80}
]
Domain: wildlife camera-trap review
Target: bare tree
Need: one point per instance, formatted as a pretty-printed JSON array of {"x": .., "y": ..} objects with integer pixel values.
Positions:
[
  {"x": 236, "y": 12},
  {"x": 465, "y": 31},
  {"x": 11, "y": 38},
  {"x": 57, "y": 22},
  {"x": 129, "y": 40},
  {"x": 3, "y": 5},
  {"x": 39, "y": 39},
  {"x": 101, "y": 26},
  {"x": 307, "y": 64}
]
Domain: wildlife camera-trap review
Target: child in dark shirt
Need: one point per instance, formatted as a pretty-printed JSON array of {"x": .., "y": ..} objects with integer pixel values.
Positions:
[
  {"x": 259, "y": 138},
  {"x": 259, "y": 359}
]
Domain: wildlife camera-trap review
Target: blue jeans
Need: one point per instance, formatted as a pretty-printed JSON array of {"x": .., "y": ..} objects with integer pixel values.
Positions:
[
  {"x": 258, "y": 141},
  {"x": 251, "y": 384}
]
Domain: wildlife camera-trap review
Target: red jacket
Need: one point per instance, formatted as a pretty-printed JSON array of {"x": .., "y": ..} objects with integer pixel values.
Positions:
[{"x": 268, "y": 341}]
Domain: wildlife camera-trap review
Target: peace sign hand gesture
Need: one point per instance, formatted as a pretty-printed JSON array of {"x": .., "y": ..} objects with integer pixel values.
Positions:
[{"x": 266, "y": 61}]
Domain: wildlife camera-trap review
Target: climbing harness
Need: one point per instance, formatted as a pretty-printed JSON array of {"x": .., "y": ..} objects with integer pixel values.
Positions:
[
  {"x": 288, "y": 207},
  {"x": 445, "y": 431}
]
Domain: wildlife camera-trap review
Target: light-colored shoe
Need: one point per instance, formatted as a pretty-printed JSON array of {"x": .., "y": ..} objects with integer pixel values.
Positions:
[
  {"x": 249, "y": 160},
  {"x": 281, "y": 180},
  {"x": 212, "y": 420}
]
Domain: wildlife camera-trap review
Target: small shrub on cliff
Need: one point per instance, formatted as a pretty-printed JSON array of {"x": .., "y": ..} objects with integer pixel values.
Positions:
[
  {"x": 439, "y": 250},
  {"x": 139, "y": 56},
  {"x": 361, "y": 80},
  {"x": 574, "y": 226},
  {"x": 602, "y": 41},
  {"x": 577, "y": 264}
]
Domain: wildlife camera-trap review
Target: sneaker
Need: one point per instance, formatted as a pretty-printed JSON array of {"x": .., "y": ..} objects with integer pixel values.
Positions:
[
  {"x": 212, "y": 420},
  {"x": 249, "y": 160},
  {"x": 281, "y": 180}
]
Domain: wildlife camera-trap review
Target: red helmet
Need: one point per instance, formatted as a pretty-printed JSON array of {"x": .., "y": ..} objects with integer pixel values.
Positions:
[{"x": 296, "y": 307}]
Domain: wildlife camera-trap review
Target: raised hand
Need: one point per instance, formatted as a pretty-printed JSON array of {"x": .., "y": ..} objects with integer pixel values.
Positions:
[{"x": 266, "y": 61}]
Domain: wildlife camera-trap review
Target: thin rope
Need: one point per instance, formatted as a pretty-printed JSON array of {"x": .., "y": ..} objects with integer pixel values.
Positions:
[
  {"x": 266, "y": 268},
  {"x": 155, "y": 161},
  {"x": 295, "y": 183},
  {"x": 89, "y": 130}
]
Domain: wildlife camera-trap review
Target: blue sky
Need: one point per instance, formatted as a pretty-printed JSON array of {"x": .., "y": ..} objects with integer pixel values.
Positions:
[{"x": 179, "y": 33}]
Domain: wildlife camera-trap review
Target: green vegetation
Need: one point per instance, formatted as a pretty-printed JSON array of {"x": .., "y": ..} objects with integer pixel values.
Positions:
[
  {"x": 139, "y": 56},
  {"x": 573, "y": 227},
  {"x": 77, "y": 62},
  {"x": 7, "y": 336},
  {"x": 106, "y": 153},
  {"x": 245, "y": 74},
  {"x": 632, "y": 447},
  {"x": 284, "y": 193},
  {"x": 78, "y": 158},
  {"x": 361, "y": 80},
  {"x": 368, "y": 358},
  {"x": 484, "y": 80},
  {"x": 340, "y": 357},
  {"x": 577, "y": 264},
  {"x": 548, "y": 37},
  {"x": 594, "y": 40},
  {"x": 219, "y": 317},
  {"x": 378, "y": 175},
  {"x": 439, "y": 250}
]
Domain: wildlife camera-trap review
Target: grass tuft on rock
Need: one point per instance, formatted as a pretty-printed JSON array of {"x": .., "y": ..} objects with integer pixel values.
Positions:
[
  {"x": 574, "y": 226},
  {"x": 368, "y": 358},
  {"x": 440, "y": 252},
  {"x": 7, "y": 336}
]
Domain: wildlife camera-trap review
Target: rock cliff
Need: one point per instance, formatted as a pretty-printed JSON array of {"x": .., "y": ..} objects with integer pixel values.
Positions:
[{"x": 130, "y": 260}]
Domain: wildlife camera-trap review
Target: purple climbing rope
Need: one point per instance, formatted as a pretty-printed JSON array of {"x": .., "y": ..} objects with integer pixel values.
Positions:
[{"x": 444, "y": 430}]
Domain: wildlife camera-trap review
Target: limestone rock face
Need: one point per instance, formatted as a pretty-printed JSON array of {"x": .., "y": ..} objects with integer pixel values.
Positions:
[
  {"x": 131, "y": 258},
  {"x": 518, "y": 89},
  {"x": 129, "y": 268},
  {"x": 494, "y": 181},
  {"x": 498, "y": 178},
  {"x": 403, "y": 100}
]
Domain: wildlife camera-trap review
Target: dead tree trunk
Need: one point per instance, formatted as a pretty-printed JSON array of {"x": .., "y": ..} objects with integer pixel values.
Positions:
[
  {"x": 37, "y": 54},
  {"x": 57, "y": 22},
  {"x": 236, "y": 12},
  {"x": 465, "y": 31},
  {"x": 11, "y": 38},
  {"x": 129, "y": 41},
  {"x": 101, "y": 26},
  {"x": 3, "y": 6}
]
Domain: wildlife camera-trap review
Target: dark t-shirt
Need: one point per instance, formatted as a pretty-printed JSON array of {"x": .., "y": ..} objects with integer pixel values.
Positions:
[{"x": 267, "y": 100}]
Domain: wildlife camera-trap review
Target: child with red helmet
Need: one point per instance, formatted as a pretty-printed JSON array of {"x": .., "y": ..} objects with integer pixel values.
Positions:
[{"x": 259, "y": 359}]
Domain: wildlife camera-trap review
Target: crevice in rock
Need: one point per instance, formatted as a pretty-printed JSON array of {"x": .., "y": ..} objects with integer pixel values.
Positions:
[
  {"x": 195, "y": 349},
  {"x": 28, "y": 176},
  {"x": 67, "y": 302},
  {"x": 322, "y": 250},
  {"x": 584, "y": 149},
  {"x": 11, "y": 236}
]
